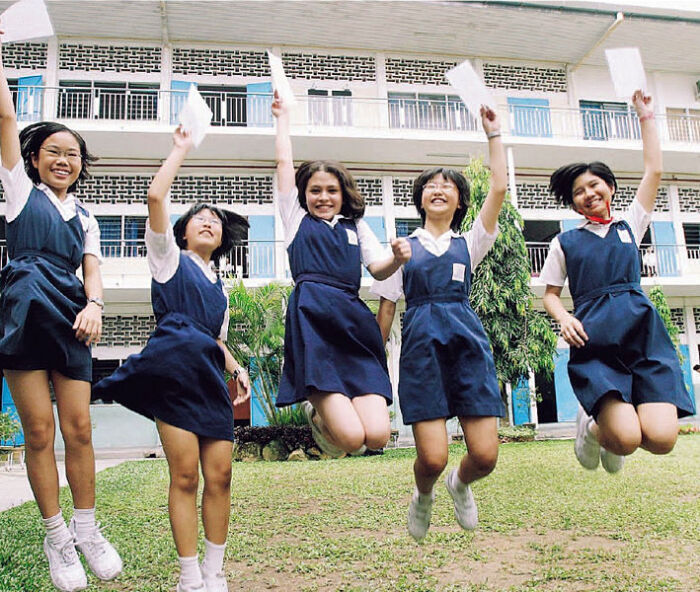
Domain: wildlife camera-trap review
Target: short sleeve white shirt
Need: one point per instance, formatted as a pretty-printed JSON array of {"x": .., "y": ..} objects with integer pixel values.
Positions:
[
  {"x": 18, "y": 186},
  {"x": 163, "y": 257},
  {"x": 554, "y": 269},
  {"x": 292, "y": 214},
  {"x": 478, "y": 240}
]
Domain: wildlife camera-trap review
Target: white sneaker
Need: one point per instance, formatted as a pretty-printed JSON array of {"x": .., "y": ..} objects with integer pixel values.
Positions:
[
  {"x": 101, "y": 556},
  {"x": 330, "y": 449},
  {"x": 187, "y": 588},
  {"x": 419, "y": 516},
  {"x": 586, "y": 446},
  {"x": 612, "y": 463},
  {"x": 466, "y": 512},
  {"x": 214, "y": 582},
  {"x": 67, "y": 573}
]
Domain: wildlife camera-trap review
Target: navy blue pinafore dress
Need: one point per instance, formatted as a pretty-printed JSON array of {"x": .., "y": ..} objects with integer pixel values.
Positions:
[
  {"x": 628, "y": 351},
  {"x": 40, "y": 293},
  {"x": 179, "y": 376},
  {"x": 332, "y": 341},
  {"x": 446, "y": 366}
]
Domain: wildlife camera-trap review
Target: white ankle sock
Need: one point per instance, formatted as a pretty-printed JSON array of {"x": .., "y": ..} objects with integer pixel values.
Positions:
[
  {"x": 424, "y": 498},
  {"x": 213, "y": 557},
  {"x": 190, "y": 574},
  {"x": 84, "y": 521},
  {"x": 56, "y": 529},
  {"x": 457, "y": 482}
]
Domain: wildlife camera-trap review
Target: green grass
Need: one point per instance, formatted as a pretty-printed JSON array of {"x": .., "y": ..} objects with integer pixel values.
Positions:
[{"x": 545, "y": 525}]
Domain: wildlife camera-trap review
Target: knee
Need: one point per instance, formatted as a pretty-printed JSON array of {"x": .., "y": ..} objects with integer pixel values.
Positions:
[
  {"x": 377, "y": 438},
  {"x": 185, "y": 481},
  {"x": 77, "y": 431},
  {"x": 623, "y": 442},
  {"x": 484, "y": 461},
  {"x": 432, "y": 464},
  {"x": 218, "y": 479},
  {"x": 350, "y": 440},
  {"x": 39, "y": 436},
  {"x": 659, "y": 440}
]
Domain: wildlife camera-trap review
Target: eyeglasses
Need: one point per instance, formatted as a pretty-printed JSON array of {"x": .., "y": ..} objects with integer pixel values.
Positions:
[
  {"x": 67, "y": 154},
  {"x": 436, "y": 186},
  {"x": 205, "y": 220}
]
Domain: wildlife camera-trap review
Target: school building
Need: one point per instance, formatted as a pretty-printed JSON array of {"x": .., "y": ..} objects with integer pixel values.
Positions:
[{"x": 369, "y": 79}]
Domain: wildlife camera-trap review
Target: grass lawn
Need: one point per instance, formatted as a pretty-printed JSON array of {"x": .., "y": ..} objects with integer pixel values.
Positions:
[{"x": 545, "y": 524}]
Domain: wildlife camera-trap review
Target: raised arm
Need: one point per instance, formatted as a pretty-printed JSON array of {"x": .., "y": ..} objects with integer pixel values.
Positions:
[
  {"x": 158, "y": 217},
  {"x": 651, "y": 147},
  {"x": 9, "y": 138},
  {"x": 497, "y": 163},
  {"x": 283, "y": 147}
]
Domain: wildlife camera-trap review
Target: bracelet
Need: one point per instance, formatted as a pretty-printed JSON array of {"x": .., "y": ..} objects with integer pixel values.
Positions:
[
  {"x": 491, "y": 135},
  {"x": 97, "y": 301},
  {"x": 647, "y": 116}
]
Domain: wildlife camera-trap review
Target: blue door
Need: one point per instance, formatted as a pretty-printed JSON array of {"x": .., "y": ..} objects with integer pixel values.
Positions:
[
  {"x": 520, "y": 395},
  {"x": 567, "y": 403},
  {"x": 259, "y": 104},
  {"x": 665, "y": 245},
  {"x": 688, "y": 375},
  {"x": 178, "y": 96},
  {"x": 30, "y": 96},
  {"x": 530, "y": 117}
]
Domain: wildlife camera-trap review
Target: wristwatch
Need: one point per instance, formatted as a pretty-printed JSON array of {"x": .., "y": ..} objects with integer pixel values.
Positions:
[
  {"x": 237, "y": 372},
  {"x": 98, "y": 301}
]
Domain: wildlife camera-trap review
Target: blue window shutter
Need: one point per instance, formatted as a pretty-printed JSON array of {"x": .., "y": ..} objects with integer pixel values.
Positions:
[
  {"x": 665, "y": 244},
  {"x": 259, "y": 104},
  {"x": 178, "y": 96},
  {"x": 520, "y": 395},
  {"x": 570, "y": 224},
  {"x": 567, "y": 403},
  {"x": 261, "y": 246},
  {"x": 376, "y": 224},
  {"x": 530, "y": 117},
  {"x": 30, "y": 96}
]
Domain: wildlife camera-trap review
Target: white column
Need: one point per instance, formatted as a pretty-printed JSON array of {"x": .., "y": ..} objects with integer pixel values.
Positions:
[
  {"x": 533, "y": 404},
  {"x": 677, "y": 220},
  {"x": 511, "y": 178},
  {"x": 382, "y": 91},
  {"x": 166, "y": 77},
  {"x": 280, "y": 253},
  {"x": 50, "y": 102},
  {"x": 388, "y": 207}
]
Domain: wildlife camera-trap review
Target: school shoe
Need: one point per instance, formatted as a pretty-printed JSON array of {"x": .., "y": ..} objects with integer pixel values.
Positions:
[
  {"x": 188, "y": 588},
  {"x": 586, "y": 446},
  {"x": 419, "y": 516},
  {"x": 323, "y": 443},
  {"x": 612, "y": 463},
  {"x": 67, "y": 573},
  {"x": 214, "y": 582},
  {"x": 466, "y": 512},
  {"x": 102, "y": 558}
]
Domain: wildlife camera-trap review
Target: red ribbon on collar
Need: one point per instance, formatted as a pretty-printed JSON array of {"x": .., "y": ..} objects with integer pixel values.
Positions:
[{"x": 600, "y": 220}]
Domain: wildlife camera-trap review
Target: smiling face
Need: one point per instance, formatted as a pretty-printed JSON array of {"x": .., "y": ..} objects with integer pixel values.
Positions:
[
  {"x": 58, "y": 162},
  {"x": 440, "y": 198},
  {"x": 203, "y": 232},
  {"x": 591, "y": 195},
  {"x": 324, "y": 197}
]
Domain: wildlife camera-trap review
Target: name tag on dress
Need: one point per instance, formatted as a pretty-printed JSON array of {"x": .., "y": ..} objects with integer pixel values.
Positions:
[
  {"x": 458, "y": 271},
  {"x": 352, "y": 236},
  {"x": 624, "y": 235}
]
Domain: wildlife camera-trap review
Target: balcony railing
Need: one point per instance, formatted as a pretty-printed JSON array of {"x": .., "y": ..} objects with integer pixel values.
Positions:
[{"x": 235, "y": 109}]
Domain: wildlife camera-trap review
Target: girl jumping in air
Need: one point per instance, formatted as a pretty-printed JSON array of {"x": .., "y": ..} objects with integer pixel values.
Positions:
[
  {"x": 446, "y": 365},
  {"x": 178, "y": 379},
  {"x": 49, "y": 319},
  {"x": 623, "y": 366},
  {"x": 333, "y": 352}
]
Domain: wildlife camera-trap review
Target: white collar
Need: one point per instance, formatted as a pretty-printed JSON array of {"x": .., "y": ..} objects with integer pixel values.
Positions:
[
  {"x": 423, "y": 233},
  {"x": 586, "y": 222},
  {"x": 70, "y": 197}
]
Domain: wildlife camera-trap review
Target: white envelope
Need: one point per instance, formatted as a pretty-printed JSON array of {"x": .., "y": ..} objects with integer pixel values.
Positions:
[
  {"x": 195, "y": 117},
  {"x": 471, "y": 89},
  {"x": 280, "y": 82},
  {"x": 25, "y": 20},
  {"x": 626, "y": 70}
]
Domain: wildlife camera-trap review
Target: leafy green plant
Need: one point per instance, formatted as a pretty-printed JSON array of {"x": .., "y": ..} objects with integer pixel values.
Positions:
[
  {"x": 521, "y": 339},
  {"x": 658, "y": 299},
  {"x": 9, "y": 427},
  {"x": 256, "y": 339}
]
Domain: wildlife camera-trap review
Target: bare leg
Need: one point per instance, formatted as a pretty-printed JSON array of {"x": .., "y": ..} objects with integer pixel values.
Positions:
[
  {"x": 617, "y": 427},
  {"x": 431, "y": 451},
  {"x": 182, "y": 451},
  {"x": 216, "y": 498},
  {"x": 659, "y": 424},
  {"x": 73, "y": 404},
  {"x": 30, "y": 392},
  {"x": 481, "y": 438},
  {"x": 374, "y": 416},
  {"x": 340, "y": 422}
]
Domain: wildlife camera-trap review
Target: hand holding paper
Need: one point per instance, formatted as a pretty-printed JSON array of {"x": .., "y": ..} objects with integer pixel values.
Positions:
[
  {"x": 196, "y": 116},
  {"x": 473, "y": 92},
  {"x": 626, "y": 70},
  {"x": 280, "y": 82},
  {"x": 25, "y": 20}
]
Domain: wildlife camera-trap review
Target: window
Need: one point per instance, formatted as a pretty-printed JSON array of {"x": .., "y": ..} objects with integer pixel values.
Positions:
[
  {"x": 692, "y": 240},
  {"x": 529, "y": 117},
  {"x": 606, "y": 121},
  {"x": 227, "y": 103},
  {"x": 85, "y": 99},
  {"x": 330, "y": 107},
  {"x": 122, "y": 236},
  {"x": 538, "y": 234},
  {"x": 13, "y": 84},
  {"x": 429, "y": 111},
  {"x": 684, "y": 124},
  {"x": 405, "y": 226},
  {"x": 102, "y": 369}
]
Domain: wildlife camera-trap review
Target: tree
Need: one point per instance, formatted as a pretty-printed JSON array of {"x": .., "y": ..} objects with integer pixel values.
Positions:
[
  {"x": 658, "y": 299},
  {"x": 256, "y": 339},
  {"x": 521, "y": 339}
]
